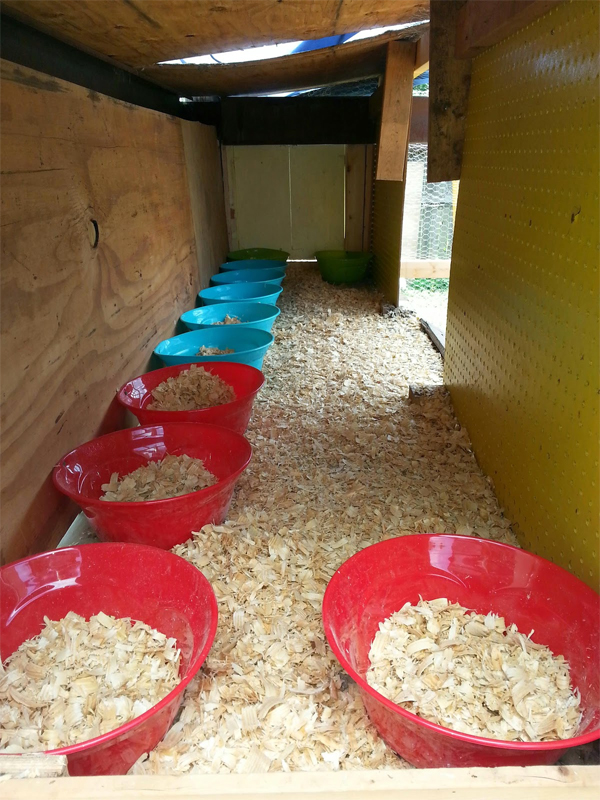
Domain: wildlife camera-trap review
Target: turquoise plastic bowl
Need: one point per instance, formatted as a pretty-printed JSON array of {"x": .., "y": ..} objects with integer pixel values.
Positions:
[
  {"x": 250, "y": 346},
  {"x": 251, "y": 315},
  {"x": 258, "y": 253},
  {"x": 236, "y": 292},
  {"x": 253, "y": 263},
  {"x": 274, "y": 275}
]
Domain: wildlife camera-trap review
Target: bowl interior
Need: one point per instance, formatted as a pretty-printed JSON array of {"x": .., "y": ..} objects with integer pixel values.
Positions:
[
  {"x": 225, "y": 337},
  {"x": 245, "y": 312},
  {"x": 82, "y": 472},
  {"x": 241, "y": 291},
  {"x": 122, "y": 580},
  {"x": 253, "y": 263},
  {"x": 244, "y": 380},
  {"x": 274, "y": 276},
  {"x": 481, "y": 575}
]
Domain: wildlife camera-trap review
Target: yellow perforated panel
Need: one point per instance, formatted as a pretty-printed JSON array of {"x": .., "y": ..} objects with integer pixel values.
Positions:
[
  {"x": 388, "y": 207},
  {"x": 522, "y": 339}
]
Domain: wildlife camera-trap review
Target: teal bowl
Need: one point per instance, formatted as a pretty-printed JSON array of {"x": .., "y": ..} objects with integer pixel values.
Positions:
[
  {"x": 251, "y": 315},
  {"x": 253, "y": 263},
  {"x": 236, "y": 292},
  {"x": 342, "y": 266},
  {"x": 258, "y": 253},
  {"x": 249, "y": 345},
  {"x": 273, "y": 275}
]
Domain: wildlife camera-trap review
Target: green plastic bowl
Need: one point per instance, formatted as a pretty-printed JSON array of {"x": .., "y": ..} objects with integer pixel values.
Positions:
[
  {"x": 342, "y": 266},
  {"x": 258, "y": 252}
]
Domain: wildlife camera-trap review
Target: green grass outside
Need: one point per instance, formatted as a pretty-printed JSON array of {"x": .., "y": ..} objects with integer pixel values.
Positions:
[{"x": 427, "y": 285}]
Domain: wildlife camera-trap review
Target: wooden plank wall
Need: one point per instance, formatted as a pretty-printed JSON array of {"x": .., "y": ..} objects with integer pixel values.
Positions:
[
  {"x": 78, "y": 320},
  {"x": 205, "y": 179}
]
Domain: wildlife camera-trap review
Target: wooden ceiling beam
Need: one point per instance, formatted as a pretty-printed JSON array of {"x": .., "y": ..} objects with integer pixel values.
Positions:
[
  {"x": 141, "y": 33},
  {"x": 315, "y": 68}
]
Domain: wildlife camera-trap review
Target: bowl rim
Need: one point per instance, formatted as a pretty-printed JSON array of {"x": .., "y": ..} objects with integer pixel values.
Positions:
[
  {"x": 274, "y": 314},
  {"x": 217, "y": 356},
  {"x": 105, "y": 738},
  {"x": 123, "y": 398},
  {"x": 467, "y": 738},
  {"x": 277, "y": 290},
  {"x": 95, "y": 502}
]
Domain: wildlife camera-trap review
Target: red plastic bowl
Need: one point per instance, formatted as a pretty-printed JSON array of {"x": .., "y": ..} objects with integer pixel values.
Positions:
[
  {"x": 162, "y": 523},
  {"x": 246, "y": 382},
  {"x": 123, "y": 580},
  {"x": 484, "y": 576}
]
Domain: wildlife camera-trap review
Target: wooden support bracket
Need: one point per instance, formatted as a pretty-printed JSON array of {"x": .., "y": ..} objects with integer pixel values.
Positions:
[
  {"x": 395, "y": 113},
  {"x": 449, "y": 81},
  {"x": 481, "y": 25}
]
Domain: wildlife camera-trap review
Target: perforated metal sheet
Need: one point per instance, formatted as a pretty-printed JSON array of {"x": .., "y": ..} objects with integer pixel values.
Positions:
[{"x": 522, "y": 340}]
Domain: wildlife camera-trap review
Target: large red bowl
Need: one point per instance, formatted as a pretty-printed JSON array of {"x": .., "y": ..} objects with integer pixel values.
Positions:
[
  {"x": 484, "y": 576},
  {"x": 162, "y": 523},
  {"x": 123, "y": 580},
  {"x": 245, "y": 381}
]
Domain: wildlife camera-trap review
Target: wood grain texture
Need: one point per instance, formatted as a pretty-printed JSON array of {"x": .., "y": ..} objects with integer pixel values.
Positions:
[
  {"x": 369, "y": 183},
  {"x": 138, "y": 33},
  {"x": 395, "y": 113},
  {"x": 481, "y": 25},
  {"x": 503, "y": 783},
  {"x": 205, "y": 180},
  {"x": 425, "y": 268},
  {"x": 78, "y": 321},
  {"x": 355, "y": 196},
  {"x": 449, "y": 81},
  {"x": 344, "y": 62}
]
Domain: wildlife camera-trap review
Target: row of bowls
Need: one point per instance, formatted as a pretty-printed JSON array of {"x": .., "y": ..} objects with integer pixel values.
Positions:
[
  {"x": 168, "y": 593},
  {"x": 250, "y": 293},
  {"x": 214, "y": 434},
  {"x": 132, "y": 574}
]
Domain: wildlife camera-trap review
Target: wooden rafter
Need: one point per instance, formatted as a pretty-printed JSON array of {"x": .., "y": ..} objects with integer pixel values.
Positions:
[{"x": 140, "y": 33}]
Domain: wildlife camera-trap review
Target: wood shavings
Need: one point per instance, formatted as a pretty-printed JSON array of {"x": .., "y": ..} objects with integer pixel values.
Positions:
[
  {"x": 79, "y": 679},
  {"x": 157, "y": 480},
  {"x": 214, "y": 351},
  {"x": 471, "y": 673},
  {"x": 332, "y": 430},
  {"x": 228, "y": 321},
  {"x": 192, "y": 389}
]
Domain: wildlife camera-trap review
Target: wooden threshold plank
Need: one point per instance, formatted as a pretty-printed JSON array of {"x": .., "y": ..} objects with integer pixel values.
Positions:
[
  {"x": 506, "y": 783},
  {"x": 420, "y": 268}
]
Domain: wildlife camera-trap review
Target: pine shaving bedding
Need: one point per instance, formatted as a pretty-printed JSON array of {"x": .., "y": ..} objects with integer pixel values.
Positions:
[
  {"x": 192, "y": 389},
  {"x": 228, "y": 321},
  {"x": 472, "y": 673},
  {"x": 158, "y": 480},
  {"x": 78, "y": 679},
  {"x": 341, "y": 459},
  {"x": 213, "y": 351}
]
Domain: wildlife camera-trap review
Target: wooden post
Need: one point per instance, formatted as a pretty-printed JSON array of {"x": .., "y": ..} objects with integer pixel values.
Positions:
[
  {"x": 355, "y": 196},
  {"x": 395, "y": 114},
  {"x": 449, "y": 81}
]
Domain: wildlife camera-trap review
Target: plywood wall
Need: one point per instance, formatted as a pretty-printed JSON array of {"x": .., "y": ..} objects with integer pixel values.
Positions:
[
  {"x": 287, "y": 197},
  {"x": 205, "y": 180},
  {"x": 522, "y": 339},
  {"x": 77, "y": 319}
]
